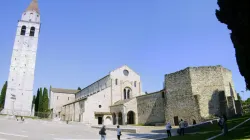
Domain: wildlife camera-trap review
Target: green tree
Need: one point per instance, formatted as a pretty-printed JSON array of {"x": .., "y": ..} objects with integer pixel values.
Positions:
[
  {"x": 45, "y": 102},
  {"x": 40, "y": 102},
  {"x": 234, "y": 14},
  {"x": 37, "y": 101},
  {"x": 3, "y": 94},
  {"x": 33, "y": 101},
  {"x": 79, "y": 88}
]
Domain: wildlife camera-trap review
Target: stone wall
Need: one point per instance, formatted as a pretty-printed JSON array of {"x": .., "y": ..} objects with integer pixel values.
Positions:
[
  {"x": 207, "y": 82},
  {"x": 58, "y": 100},
  {"x": 199, "y": 93},
  {"x": 238, "y": 106},
  {"x": 180, "y": 101},
  {"x": 150, "y": 108}
]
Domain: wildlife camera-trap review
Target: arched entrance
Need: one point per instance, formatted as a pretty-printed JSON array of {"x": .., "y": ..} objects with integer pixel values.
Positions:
[
  {"x": 114, "y": 119},
  {"x": 120, "y": 118},
  {"x": 108, "y": 120},
  {"x": 131, "y": 117}
]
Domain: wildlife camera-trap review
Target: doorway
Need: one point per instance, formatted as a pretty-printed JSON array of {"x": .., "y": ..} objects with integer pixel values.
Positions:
[
  {"x": 131, "y": 117},
  {"x": 176, "y": 120},
  {"x": 99, "y": 120}
]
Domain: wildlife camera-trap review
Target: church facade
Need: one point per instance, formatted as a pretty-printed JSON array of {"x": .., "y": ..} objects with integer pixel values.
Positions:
[
  {"x": 92, "y": 104},
  {"x": 19, "y": 93}
]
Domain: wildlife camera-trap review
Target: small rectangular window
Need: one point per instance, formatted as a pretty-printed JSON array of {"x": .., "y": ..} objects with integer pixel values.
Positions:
[
  {"x": 163, "y": 95},
  {"x": 68, "y": 98},
  {"x": 57, "y": 97}
]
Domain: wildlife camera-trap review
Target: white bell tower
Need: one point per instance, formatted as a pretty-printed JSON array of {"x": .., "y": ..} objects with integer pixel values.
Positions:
[{"x": 19, "y": 94}]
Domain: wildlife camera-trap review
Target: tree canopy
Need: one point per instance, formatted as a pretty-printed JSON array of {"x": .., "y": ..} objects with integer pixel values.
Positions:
[
  {"x": 37, "y": 100},
  {"x": 79, "y": 88},
  {"x": 234, "y": 13},
  {"x": 40, "y": 100},
  {"x": 45, "y": 100}
]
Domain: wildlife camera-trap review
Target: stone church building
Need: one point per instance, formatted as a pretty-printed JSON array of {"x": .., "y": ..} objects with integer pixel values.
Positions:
[{"x": 195, "y": 93}]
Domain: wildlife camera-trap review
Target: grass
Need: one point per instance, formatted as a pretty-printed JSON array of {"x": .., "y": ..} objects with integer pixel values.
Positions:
[
  {"x": 206, "y": 132},
  {"x": 240, "y": 133}
]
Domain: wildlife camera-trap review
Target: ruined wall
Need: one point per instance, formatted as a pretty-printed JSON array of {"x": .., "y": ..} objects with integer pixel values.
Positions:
[
  {"x": 229, "y": 92},
  {"x": 151, "y": 108},
  {"x": 207, "y": 82},
  {"x": 180, "y": 102},
  {"x": 238, "y": 106},
  {"x": 228, "y": 83},
  {"x": 204, "y": 91}
]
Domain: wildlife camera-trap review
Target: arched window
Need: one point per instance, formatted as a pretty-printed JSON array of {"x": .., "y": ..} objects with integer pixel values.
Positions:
[
  {"x": 23, "y": 30},
  {"x": 135, "y": 83},
  {"x": 116, "y": 81},
  {"x": 128, "y": 92},
  {"x": 124, "y": 93},
  {"x": 32, "y": 31}
]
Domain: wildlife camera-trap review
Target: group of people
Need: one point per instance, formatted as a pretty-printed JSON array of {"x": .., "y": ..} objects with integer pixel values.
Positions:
[
  {"x": 182, "y": 125},
  {"x": 102, "y": 132}
]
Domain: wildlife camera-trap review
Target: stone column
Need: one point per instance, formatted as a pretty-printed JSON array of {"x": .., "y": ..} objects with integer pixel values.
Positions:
[
  {"x": 117, "y": 118},
  {"x": 124, "y": 118}
]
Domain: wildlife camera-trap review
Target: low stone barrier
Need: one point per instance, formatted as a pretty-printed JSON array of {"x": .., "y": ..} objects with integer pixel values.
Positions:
[
  {"x": 196, "y": 128},
  {"x": 129, "y": 130}
]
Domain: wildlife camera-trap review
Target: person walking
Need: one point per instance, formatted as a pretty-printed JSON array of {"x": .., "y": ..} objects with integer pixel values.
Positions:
[
  {"x": 168, "y": 128},
  {"x": 225, "y": 128},
  {"x": 182, "y": 126},
  {"x": 102, "y": 132},
  {"x": 220, "y": 123},
  {"x": 119, "y": 133}
]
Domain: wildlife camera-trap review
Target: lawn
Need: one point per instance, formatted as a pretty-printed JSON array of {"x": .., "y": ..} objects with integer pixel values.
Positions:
[
  {"x": 212, "y": 130},
  {"x": 240, "y": 133}
]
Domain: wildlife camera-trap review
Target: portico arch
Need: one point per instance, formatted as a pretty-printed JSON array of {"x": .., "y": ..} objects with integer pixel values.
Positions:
[{"x": 131, "y": 117}]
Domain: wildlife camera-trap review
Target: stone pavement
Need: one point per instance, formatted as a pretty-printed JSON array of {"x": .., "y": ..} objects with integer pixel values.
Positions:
[{"x": 45, "y": 130}]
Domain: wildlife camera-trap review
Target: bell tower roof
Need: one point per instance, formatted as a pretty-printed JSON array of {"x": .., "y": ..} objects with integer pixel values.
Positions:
[{"x": 33, "y": 6}]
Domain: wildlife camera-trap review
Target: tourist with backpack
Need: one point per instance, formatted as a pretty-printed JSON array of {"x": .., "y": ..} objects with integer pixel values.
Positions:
[
  {"x": 102, "y": 132},
  {"x": 119, "y": 133}
]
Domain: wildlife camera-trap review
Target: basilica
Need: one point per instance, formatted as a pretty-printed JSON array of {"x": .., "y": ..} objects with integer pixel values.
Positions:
[{"x": 194, "y": 93}]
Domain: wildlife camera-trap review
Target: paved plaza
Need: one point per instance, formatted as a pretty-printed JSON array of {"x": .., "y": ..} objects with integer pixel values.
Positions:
[{"x": 10, "y": 129}]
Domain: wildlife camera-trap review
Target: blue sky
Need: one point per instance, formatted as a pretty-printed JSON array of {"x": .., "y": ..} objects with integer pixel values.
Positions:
[{"x": 82, "y": 40}]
